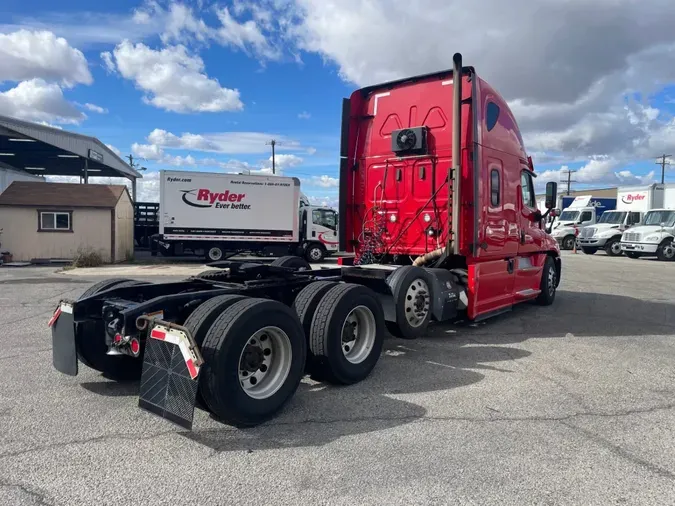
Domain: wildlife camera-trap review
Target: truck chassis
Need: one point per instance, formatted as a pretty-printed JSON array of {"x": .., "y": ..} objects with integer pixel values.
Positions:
[{"x": 237, "y": 341}]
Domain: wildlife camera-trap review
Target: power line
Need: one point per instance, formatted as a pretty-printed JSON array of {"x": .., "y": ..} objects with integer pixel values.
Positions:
[
  {"x": 663, "y": 164},
  {"x": 569, "y": 179},
  {"x": 134, "y": 165}
]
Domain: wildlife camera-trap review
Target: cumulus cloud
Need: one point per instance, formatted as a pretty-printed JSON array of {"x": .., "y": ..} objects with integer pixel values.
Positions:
[
  {"x": 246, "y": 36},
  {"x": 27, "y": 55},
  {"x": 147, "y": 188},
  {"x": 304, "y": 115},
  {"x": 96, "y": 108},
  {"x": 172, "y": 78},
  {"x": 39, "y": 101},
  {"x": 322, "y": 181},
  {"x": 221, "y": 142}
]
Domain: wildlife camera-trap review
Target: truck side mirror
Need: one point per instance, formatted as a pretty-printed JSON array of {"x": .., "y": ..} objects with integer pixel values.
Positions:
[{"x": 551, "y": 194}]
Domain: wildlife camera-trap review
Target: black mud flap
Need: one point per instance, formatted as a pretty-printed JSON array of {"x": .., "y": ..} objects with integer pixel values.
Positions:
[
  {"x": 64, "y": 351},
  {"x": 168, "y": 385}
]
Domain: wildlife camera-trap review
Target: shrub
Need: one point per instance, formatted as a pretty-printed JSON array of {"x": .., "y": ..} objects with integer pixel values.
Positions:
[{"x": 87, "y": 257}]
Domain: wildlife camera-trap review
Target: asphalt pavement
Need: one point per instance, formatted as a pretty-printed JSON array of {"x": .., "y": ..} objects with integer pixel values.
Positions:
[{"x": 569, "y": 404}]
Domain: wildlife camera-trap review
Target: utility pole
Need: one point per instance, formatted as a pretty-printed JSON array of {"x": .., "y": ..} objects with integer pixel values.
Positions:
[
  {"x": 663, "y": 164},
  {"x": 569, "y": 180},
  {"x": 273, "y": 143},
  {"x": 134, "y": 165}
]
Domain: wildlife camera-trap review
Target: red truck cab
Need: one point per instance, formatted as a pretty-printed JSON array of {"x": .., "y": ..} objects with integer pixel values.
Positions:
[{"x": 434, "y": 172}]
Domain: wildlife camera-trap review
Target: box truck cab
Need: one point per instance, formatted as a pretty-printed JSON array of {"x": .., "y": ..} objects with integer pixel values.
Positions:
[
  {"x": 632, "y": 204},
  {"x": 582, "y": 212},
  {"x": 654, "y": 236}
]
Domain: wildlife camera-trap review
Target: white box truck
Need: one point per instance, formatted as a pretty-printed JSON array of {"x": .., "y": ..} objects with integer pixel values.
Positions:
[
  {"x": 216, "y": 214},
  {"x": 655, "y": 233},
  {"x": 632, "y": 204},
  {"x": 582, "y": 211}
]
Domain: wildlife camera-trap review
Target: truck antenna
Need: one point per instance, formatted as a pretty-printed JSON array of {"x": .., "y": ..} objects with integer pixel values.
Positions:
[{"x": 663, "y": 164}]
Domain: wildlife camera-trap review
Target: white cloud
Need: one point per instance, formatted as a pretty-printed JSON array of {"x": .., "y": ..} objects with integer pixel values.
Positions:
[
  {"x": 246, "y": 36},
  {"x": 26, "y": 55},
  {"x": 173, "y": 79},
  {"x": 95, "y": 108},
  {"x": 37, "y": 100},
  {"x": 322, "y": 181},
  {"x": 108, "y": 62},
  {"x": 177, "y": 23},
  {"x": 222, "y": 142},
  {"x": 114, "y": 149},
  {"x": 304, "y": 115},
  {"x": 147, "y": 151},
  {"x": 147, "y": 188},
  {"x": 325, "y": 201},
  {"x": 597, "y": 172}
]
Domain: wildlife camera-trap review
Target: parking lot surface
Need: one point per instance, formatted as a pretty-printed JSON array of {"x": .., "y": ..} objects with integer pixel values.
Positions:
[{"x": 569, "y": 404}]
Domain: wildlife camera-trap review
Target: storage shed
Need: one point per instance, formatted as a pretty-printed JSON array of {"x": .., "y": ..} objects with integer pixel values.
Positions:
[{"x": 43, "y": 221}]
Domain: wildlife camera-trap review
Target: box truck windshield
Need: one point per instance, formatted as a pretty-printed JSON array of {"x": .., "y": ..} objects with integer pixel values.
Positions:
[
  {"x": 569, "y": 216},
  {"x": 658, "y": 217},
  {"x": 612, "y": 218}
]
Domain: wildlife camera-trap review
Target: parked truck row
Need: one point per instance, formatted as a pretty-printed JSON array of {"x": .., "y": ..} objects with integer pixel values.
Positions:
[{"x": 432, "y": 169}]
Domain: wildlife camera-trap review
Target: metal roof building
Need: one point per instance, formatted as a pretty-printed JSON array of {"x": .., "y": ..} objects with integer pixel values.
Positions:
[{"x": 48, "y": 151}]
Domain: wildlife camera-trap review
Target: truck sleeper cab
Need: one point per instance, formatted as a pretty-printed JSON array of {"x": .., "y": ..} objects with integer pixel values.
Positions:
[{"x": 444, "y": 200}]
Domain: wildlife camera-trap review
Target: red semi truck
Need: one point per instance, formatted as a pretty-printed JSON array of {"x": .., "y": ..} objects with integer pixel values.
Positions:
[{"x": 437, "y": 204}]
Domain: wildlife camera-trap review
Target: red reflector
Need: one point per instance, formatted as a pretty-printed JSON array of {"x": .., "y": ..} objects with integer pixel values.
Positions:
[
  {"x": 158, "y": 334},
  {"x": 118, "y": 338},
  {"x": 191, "y": 368},
  {"x": 54, "y": 317},
  {"x": 135, "y": 346}
]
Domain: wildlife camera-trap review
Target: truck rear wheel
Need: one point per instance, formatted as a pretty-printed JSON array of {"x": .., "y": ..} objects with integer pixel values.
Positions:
[
  {"x": 411, "y": 289},
  {"x": 548, "y": 283},
  {"x": 347, "y": 334},
  {"x": 633, "y": 255},
  {"x": 254, "y": 356},
  {"x": 613, "y": 247},
  {"x": 92, "y": 349},
  {"x": 292, "y": 262},
  {"x": 589, "y": 251},
  {"x": 666, "y": 250},
  {"x": 305, "y": 305},
  {"x": 568, "y": 242}
]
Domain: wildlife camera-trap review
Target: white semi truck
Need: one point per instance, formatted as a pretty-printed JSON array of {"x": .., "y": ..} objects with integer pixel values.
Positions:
[
  {"x": 216, "y": 215},
  {"x": 632, "y": 204},
  {"x": 655, "y": 234},
  {"x": 582, "y": 211}
]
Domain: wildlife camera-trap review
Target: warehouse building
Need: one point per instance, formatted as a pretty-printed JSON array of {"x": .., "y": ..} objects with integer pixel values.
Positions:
[{"x": 55, "y": 221}]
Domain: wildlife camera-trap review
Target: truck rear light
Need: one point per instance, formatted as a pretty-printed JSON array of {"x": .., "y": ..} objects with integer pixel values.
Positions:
[
  {"x": 392, "y": 218},
  {"x": 427, "y": 218},
  {"x": 118, "y": 338},
  {"x": 135, "y": 346}
]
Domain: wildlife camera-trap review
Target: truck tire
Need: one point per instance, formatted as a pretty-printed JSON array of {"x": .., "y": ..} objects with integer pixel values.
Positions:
[
  {"x": 305, "y": 305},
  {"x": 411, "y": 288},
  {"x": 315, "y": 253},
  {"x": 568, "y": 242},
  {"x": 91, "y": 349},
  {"x": 613, "y": 247},
  {"x": 666, "y": 250},
  {"x": 589, "y": 251},
  {"x": 548, "y": 283},
  {"x": 633, "y": 255},
  {"x": 293, "y": 262},
  {"x": 254, "y": 356},
  {"x": 213, "y": 275},
  {"x": 347, "y": 334},
  {"x": 214, "y": 253}
]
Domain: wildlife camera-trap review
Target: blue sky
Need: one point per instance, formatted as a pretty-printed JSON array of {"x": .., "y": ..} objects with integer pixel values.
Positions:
[{"x": 234, "y": 74}]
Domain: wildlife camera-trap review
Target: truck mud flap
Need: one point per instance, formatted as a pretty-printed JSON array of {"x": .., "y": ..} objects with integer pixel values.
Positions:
[
  {"x": 64, "y": 350},
  {"x": 169, "y": 378}
]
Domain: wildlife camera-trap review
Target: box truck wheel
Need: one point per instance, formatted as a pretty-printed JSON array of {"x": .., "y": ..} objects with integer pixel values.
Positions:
[
  {"x": 347, "y": 333},
  {"x": 666, "y": 250},
  {"x": 91, "y": 347},
  {"x": 214, "y": 253},
  {"x": 305, "y": 305},
  {"x": 292, "y": 262},
  {"x": 613, "y": 247},
  {"x": 633, "y": 255},
  {"x": 254, "y": 356},
  {"x": 548, "y": 283},
  {"x": 589, "y": 251},
  {"x": 411, "y": 288},
  {"x": 315, "y": 252}
]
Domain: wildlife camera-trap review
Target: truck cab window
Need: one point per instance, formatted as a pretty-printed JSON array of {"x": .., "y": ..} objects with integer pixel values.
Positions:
[
  {"x": 527, "y": 189},
  {"x": 324, "y": 218},
  {"x": 491, "y": 115},
  {"x": 586, "y": 216},
  {"x": 634, "y": 218}
]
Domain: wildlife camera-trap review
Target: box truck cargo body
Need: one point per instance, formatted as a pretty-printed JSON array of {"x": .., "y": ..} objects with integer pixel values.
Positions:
[{"x": 215, "y": 214}]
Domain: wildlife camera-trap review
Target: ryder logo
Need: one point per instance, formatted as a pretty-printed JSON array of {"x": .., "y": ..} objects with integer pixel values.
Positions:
[
  {"x": 633, "y": 197},
  {"x": 204, "y": 198}
]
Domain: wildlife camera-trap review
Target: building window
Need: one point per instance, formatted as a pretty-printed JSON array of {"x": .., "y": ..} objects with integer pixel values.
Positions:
[
  {"x": 55, "y": 221},
  {"x": 495, "y": 188},
  {"x": 491, "y": 115}
]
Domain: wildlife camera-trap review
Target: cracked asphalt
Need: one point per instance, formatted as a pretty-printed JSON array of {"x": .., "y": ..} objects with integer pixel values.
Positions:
[{"x": 571, "y": 404}]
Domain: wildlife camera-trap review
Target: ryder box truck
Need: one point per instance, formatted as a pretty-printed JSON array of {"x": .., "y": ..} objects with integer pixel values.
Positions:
[{"x": 216, "y": 214}]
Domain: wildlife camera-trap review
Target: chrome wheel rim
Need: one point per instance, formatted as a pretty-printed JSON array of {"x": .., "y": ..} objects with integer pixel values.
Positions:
[
  {"x": 315, "y": 254},
  {"x": 215, "y": 254},
  {"x": 616, "y": 247},
  {"x": 358, "y": 334},
  {"x": 417, "y": 302},
  {"x": 265, "y": 362},
  {"x": 669, "y": 251}
]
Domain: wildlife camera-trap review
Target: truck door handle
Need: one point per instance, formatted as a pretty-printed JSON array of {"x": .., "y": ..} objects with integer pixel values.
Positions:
[
  {"x": 522, "y": 237},
  {"x": 509, "y": 265}
]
